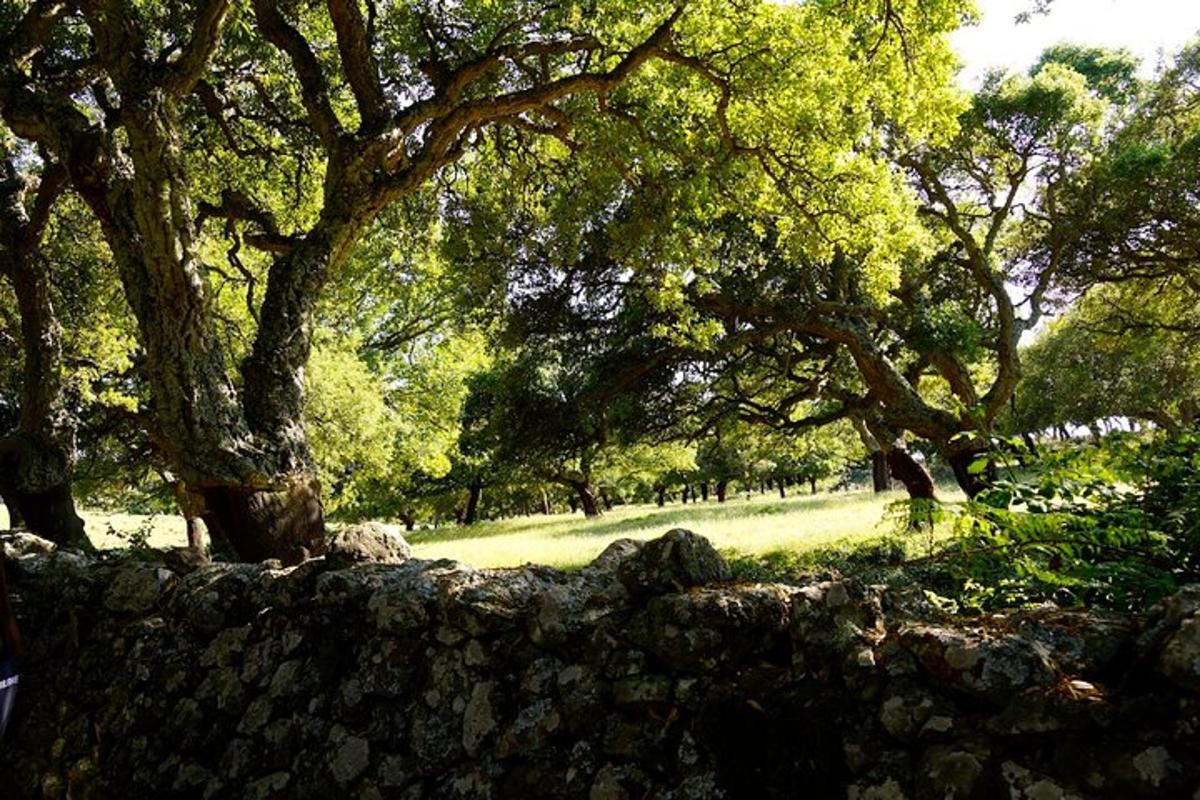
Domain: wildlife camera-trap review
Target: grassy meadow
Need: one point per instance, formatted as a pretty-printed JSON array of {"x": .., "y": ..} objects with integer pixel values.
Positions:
[{"x": 754, "y": 526}]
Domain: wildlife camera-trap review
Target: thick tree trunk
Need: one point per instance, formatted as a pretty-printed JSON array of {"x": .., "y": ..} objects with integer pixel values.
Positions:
[
  {"x": 37, "y": 461},
  {"x": 704, "y": 491},
  {"x": 410, "y": 522},
  {"x": 686, "y": 495},
  {"x": 285, "y": 522},
  {"x": 911, "y": 473},
  {"x": 721, "y": 487},
  {"x": 258, "y": 494},
  {"x": 474, "y": 494}
]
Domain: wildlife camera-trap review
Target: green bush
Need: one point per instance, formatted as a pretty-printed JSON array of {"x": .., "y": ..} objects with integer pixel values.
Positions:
[{"x": 1111, "y": 524}]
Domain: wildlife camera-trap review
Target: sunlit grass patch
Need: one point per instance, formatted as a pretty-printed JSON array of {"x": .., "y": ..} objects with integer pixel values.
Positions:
[
  {"x": 756, "y": 526},
  {"x": 779, "y": 535}
]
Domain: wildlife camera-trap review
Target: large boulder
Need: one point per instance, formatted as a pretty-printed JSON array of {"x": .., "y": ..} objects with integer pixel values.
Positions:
[
  {"x": 367, "y": 543},
  {"x": 1179, "y": 660},
  {"x": 676, "y": 561}
]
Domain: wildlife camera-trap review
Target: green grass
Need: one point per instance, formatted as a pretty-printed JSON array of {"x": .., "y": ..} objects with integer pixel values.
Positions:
[
  {"x": 760, "y": 525},
  {"x": 757, "y": 527}
]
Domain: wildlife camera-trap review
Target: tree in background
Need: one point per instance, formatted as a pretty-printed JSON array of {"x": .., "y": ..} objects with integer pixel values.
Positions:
[{"x": 1107, "y": 359}]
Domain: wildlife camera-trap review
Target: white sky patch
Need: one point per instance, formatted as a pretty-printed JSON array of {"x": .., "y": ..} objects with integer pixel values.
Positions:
[{"x": 1146, "y": 27}]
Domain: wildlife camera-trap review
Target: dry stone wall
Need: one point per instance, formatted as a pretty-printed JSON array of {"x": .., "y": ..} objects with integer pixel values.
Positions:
[{"x": 646, "y": 675}]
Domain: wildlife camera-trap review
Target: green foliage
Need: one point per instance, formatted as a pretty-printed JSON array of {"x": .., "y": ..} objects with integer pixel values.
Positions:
[
  {"x": 1115, "y": 524},
  {"x": 1117, "y": 353}
]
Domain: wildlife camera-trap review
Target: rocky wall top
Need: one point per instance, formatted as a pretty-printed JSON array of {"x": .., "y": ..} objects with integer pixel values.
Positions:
[{"x": 646, "y": 675}]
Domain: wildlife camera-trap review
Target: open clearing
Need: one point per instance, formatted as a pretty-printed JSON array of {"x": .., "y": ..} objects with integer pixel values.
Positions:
[{"x": 759, "y": 525}]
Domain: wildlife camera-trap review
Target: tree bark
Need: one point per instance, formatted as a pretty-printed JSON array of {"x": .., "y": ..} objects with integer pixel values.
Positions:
[
  {"x": 474, "y": 494},
  {"x": 782, "y": 488},
  {"x": 587, "y": 499},
  {"x": 812, "y": 485},
  {"x": 37, "y": 461},
  {"x": 546, "y": 503},
  {"x": 911, "y": 473},
  {"x": 285, "y": 521},
  {"x": 971, "y": 483},
  {"x": 661, "y": 496},
  {"x": 704, "y": 491},
  {"x": 881, "y": 479},
  {"x": 721, "y": 487}
]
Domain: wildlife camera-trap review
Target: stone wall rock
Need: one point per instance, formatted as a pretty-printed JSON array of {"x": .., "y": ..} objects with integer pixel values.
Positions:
[{"x": 645, "y": 675}]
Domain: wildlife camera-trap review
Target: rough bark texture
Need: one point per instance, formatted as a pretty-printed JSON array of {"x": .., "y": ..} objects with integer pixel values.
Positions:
[
  {"x": 36, "y": 460},
  {"x": 722, "y": 486},
  {"x": 284, "y": 523},
  {"x": 643, "y": 675}
]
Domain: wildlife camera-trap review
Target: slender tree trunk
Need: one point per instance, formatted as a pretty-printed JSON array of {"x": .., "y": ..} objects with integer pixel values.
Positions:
[
  {"x": 704, "y": 491},
  {"x": 686, "y": 494},
  {"x": 410, "y": 522},
  {"x": 37, "y": 461},
  {"x": 606, "y": 500},
  {"x": 661, "y": 496},
  {"x": 474, "y": 493},
  {"x": 782, "y": 488},
  {"x": 545, "y": 502},
  {"x": 721, "y": 487},
  {"x": 881, "y": 478},
  {"x": 812, "y": 485}
]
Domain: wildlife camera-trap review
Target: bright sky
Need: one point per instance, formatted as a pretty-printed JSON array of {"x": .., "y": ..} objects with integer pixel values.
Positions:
[{"x": 1144, "y": 26}]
